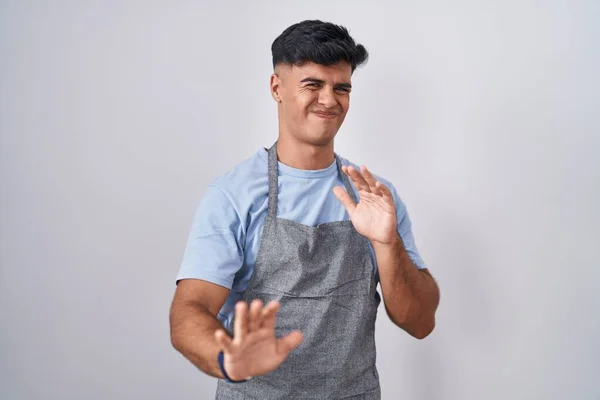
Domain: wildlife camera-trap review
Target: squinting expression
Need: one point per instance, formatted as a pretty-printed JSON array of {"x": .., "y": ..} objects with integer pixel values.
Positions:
[{"x": 313, "y": 100}]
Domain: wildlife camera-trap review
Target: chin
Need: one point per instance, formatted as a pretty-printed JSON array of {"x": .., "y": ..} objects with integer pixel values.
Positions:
[
  {"x": 321, "y": 137},
  {"x": 322, "y": 141}
]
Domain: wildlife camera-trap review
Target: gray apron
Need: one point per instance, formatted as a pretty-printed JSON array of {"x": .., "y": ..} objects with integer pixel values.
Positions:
[{"x": 323, "y": 278}]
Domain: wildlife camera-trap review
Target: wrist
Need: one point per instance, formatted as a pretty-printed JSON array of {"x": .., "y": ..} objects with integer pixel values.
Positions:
[
  {"x": 226, "y": 376},
  {"x": 393, "y": 242}
]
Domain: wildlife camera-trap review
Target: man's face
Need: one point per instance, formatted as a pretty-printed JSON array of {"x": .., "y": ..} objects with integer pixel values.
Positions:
[{"x": 313, "y": 100}]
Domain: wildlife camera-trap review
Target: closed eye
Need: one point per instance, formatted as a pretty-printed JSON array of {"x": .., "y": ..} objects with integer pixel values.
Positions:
[{"x": 343, "y": 89}]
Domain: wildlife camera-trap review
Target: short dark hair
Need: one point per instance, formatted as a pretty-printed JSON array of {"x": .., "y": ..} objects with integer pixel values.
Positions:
[{"x": 316, "y": 41}]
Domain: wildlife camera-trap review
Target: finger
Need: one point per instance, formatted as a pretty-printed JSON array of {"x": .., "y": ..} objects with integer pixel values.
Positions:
[
  {"x": 385, "y": 191},
  {"x": 223, "y": 340},
  {"x": 240, "y": 324},
  {"x": 356, "y": 178},
  {"x": 289, "y": 342},
  {"x": 269, "y": 315},
  {"x": 370, "y": 179},
  {"x": 387, "y": 197},
  {"x": 345, "y": 199},
  {"x": 254, "y": 319}
]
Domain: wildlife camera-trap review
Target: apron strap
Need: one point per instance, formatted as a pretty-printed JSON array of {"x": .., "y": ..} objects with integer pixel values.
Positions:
[
  {"x": 274, "y": 181},
  {"x": 346, "y": 180}
]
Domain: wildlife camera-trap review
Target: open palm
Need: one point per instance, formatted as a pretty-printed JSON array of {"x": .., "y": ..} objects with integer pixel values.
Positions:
[
  {"x": 254, "y": 350},
  {"x": 374, "y": 216}
]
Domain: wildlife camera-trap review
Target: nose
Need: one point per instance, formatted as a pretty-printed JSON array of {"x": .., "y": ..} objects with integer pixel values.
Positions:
[{"x": 327, "y": 98}]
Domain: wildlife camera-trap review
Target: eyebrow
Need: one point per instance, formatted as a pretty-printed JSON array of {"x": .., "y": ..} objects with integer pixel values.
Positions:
[{"x": 321, "y": 82}]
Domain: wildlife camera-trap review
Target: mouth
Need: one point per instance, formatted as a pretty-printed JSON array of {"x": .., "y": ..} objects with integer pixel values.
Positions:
[{"x": 326, "y": 115}]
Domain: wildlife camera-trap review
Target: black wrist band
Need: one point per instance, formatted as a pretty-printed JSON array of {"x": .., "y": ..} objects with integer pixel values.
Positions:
[{"x": 227, "y": 378}]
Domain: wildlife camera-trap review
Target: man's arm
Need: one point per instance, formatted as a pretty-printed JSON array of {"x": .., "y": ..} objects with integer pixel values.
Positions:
[
  {"x": 193, "y": 322},
  {"x": 199, "y": 336},
  {"x": 411, "y": 296}
]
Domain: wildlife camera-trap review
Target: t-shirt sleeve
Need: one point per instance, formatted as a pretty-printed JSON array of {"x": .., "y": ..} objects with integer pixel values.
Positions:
[
  {"x": 214, "y": 250},
  {"x": 405, "y": 231}
]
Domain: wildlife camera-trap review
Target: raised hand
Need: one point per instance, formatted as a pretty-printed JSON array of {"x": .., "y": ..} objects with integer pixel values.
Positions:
[
  {"x": 374, "y": 216},
  {"x": 254, "y": 350}
]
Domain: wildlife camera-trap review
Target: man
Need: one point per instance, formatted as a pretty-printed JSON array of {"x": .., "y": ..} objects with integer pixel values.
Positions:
[{"x": 277, "y": 292}]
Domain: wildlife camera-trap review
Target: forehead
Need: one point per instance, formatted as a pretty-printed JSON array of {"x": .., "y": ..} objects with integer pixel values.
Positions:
[{"x": 340, "y": 72}]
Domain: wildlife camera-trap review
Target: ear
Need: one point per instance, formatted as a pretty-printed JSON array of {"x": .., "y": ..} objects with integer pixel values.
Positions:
[{"x": 275, "y": 86}]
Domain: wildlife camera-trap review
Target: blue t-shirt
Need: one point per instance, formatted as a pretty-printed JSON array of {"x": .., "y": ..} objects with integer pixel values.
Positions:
[{"x": 227, "y": 226}]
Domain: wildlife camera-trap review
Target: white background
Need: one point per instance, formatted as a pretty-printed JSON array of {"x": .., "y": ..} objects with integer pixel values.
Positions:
[{"x": 115, "y": 115}]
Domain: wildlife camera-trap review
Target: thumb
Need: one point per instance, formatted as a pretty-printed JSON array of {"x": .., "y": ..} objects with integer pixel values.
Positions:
[
  {"x": 345, "y": 199},
  {"x": 289, "y": 342}
]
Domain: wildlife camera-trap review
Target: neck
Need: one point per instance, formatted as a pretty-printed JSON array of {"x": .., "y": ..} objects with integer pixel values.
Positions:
[{"x": 300, "y": 155}]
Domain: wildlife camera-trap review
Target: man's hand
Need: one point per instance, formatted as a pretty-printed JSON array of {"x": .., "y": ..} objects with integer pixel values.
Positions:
[
  {"x": 254, "y": 349},
  {"x": 375, "y": 214}
]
